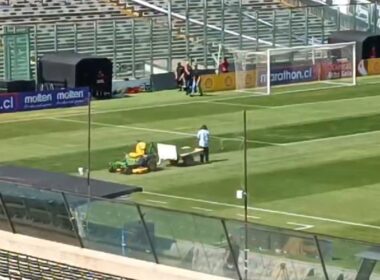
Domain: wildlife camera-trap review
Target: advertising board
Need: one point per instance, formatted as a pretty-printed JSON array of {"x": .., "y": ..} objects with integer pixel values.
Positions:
[
  {"x": 287, "y": 75},
  {"x": 27, "y": 101}
]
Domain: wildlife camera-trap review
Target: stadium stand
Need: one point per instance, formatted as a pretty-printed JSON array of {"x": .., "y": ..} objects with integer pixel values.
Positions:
[
  {"x": 131, "y": 25},
  {"x": 260, "y": 18}
]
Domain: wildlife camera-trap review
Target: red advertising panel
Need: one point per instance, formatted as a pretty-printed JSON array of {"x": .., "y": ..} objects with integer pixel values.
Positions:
[{"x": 335, "y": 70}]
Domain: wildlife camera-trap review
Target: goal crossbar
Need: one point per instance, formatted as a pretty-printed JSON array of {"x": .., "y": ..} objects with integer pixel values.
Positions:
[
  {"x": 318, "y": 55},
  {"x": 320, "y": 47}
]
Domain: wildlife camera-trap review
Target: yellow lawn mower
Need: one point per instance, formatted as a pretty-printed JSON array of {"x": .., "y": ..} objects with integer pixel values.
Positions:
[{"x": 141, "y": 161}]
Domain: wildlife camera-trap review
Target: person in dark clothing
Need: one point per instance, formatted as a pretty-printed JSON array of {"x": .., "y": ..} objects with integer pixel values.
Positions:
[
  {"x": 223, "y": 67},
  {"x": 373, "y": 53},
  {"x": 196, "y": 82},
  {"x": 100, "y": 84},
  {"x": 180, "y": 76},
  {"x": 188, "y": 77}
]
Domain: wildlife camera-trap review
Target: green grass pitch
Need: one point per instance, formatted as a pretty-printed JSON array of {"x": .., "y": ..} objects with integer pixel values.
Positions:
[{"x": 313, "y": 157}]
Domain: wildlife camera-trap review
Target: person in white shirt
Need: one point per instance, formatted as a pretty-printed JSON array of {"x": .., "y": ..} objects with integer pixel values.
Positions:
[{"x": 203, "y": 136}]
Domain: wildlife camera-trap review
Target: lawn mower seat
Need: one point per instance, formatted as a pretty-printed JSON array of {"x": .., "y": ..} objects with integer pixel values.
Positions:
[{"x": 139, "y": 150}]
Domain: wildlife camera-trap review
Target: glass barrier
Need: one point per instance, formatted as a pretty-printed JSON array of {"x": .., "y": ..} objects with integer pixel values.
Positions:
[
  {"x": 38, "y": 213},
  {"x": 4, "y": 222},
  {"x": 347, "y": 259},
  {"x": 190, "y": 241},
  {"x": 276, "y": 254},
  {"x": 185, "y": 240},
  {"x": 111, "y": 227}
]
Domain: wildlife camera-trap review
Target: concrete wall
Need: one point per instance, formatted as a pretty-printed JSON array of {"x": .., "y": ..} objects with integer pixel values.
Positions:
[{"x": 94, "y": 260}]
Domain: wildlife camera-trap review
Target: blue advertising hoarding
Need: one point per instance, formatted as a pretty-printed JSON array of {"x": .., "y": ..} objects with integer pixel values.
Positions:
[
  {"x": 27, "y": 101},
  {"x": 8, "y": 102}
]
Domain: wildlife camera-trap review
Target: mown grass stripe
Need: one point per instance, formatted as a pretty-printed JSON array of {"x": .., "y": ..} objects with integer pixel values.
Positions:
[
  {"x": 322, "y": 95},
  {"x": 37, "y": 127},
  {"x": 317, "y": 130},
  {"x": 290, "y": 183},
  {"x": 221, "y": 143}
]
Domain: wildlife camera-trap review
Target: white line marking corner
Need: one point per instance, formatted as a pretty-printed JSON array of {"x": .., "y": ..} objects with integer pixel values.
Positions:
[
  {"x": 249, "y": 216},
  {"x": 278, "y": 212},
  {"x": 157, "y": 201},
  {"x": 300, "y": 226},
  {"x": 202, "y": 209}
]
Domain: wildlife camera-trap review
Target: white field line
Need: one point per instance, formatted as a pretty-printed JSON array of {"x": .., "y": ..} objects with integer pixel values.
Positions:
[
  {"x": 249, "y": 216},
  {"x": 161, "y": 131},
  {"x": 331, "y": 82},
  {"x": 240, "y": 105},
  {"x": 157, "y": 201},
  {"x": 202, "y": 209},
  {"x": 328, "y": 138},
  {"x": 264, "y": 210},
  {"x": 253, "y": 94},
  {"x": 95, "y": 112},
  {"x": 274, "y": 107},
  {"x": 322, "y": 101},
  {"x": 300, "y": 226},
  {"x": 371, "y": 83},
  {"x": 223, "y": 138}
]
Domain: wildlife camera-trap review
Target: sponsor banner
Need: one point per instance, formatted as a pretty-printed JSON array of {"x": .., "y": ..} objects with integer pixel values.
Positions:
[
  {"x": 8, "y": 102},
  {"x": 287, "y": 75},
  {"x": 373, "y": 66},
  {"x": 27, "y": 101},
  {"x": 247, "y": 79},
  {"x": 218, "y": 82},
  {"x": 208, "y": 83},
  {"x": 362, "y": 69},
  {"x": 336, "y": 70},
  {"x": 227, "y": 81}
]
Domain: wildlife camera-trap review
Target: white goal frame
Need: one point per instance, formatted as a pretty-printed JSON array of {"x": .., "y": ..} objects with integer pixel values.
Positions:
[{"x": 268, "y": 54}]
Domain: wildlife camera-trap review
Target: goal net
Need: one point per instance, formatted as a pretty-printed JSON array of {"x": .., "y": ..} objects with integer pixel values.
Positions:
[{"x": 308, "y": 67}]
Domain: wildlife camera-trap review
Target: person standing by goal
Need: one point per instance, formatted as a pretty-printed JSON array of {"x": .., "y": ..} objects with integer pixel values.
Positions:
[
  {"x": 203, "y": 136},
  {"x": 188, "y": 74},
  {"x": 179, "y": 74}
]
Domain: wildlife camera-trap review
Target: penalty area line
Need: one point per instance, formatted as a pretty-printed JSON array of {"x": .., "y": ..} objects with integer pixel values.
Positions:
[
  {"x": 203, "y": 209},
  {"x": 300, "y": 226},
  {"x": 156, "y": 201},
  {"x": 249, "y": 216},
  {"x": 264, "y": 210},
  {"x": 240, "y": 105}
]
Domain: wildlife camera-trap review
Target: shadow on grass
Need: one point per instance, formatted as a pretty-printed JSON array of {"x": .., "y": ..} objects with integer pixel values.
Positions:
[{"x": 196, "y": 163}]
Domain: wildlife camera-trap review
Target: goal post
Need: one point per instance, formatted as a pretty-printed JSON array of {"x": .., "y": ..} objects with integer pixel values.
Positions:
[{"x": 308, "y": 67}]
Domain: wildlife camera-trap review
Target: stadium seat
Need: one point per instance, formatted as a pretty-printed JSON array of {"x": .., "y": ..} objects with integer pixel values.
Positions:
[
  {"x": 61, "y": 217},
  {"x": 16, "y": 207},
  {"x": 39, "y": 211}
]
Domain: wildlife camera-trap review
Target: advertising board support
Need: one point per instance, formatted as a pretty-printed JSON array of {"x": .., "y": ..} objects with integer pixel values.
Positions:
[{"x": 89, "y": 147}]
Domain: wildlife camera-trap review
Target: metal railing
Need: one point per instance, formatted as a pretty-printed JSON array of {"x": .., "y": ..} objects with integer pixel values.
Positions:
[{"x": 20, "y": 266}]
